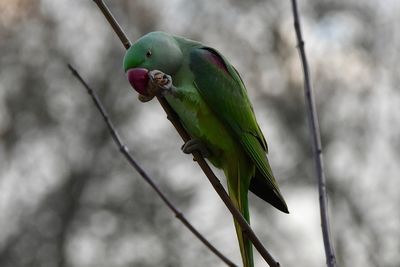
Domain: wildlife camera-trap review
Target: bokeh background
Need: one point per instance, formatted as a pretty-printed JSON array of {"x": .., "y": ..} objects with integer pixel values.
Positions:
[{"x": 68, "y": 198}]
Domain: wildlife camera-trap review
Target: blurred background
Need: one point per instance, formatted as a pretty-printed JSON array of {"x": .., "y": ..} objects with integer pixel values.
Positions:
[{"x": 68, "y": 198}]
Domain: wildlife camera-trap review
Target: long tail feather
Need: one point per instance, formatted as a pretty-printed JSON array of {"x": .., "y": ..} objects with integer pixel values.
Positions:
[{"x": 238, "y": 183}]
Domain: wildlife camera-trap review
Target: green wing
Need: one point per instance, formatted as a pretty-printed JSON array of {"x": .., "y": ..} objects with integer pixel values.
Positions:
[{"x": 222, "y": 89}]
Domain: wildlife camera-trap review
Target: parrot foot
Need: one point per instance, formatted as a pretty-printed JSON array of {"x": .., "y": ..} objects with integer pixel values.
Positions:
[
  {"x": 196, "y": 145},
  {"x": 160, "y": 83}
]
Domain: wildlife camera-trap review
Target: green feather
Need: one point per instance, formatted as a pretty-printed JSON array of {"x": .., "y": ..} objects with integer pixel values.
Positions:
[{"x": 227, "y": 97}]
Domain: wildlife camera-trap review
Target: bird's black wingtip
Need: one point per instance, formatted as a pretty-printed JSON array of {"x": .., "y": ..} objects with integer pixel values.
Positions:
[
  {"x": 262, "y": 189},
  {"x": 280, "y": 204},
  {"x": 285, "y": 209}
]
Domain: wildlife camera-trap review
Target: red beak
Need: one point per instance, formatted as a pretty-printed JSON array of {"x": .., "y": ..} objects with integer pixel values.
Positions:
[{"x": 138, "y": 79}]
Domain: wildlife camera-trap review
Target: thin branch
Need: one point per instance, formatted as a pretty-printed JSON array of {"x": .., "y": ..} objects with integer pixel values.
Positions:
[
  {"x": 113, "y": 22},
  {"x": 316, "y": 141},
  {"x": 172, "y": 116},
  {"x": 124, "y": 150}
]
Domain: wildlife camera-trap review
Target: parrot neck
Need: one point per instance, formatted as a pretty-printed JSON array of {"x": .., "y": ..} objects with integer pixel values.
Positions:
[{"x": 187, "y": 44}]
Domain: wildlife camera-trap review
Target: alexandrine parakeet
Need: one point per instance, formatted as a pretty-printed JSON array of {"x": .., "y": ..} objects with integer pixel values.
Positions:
[{"x": 209, "y": 97}]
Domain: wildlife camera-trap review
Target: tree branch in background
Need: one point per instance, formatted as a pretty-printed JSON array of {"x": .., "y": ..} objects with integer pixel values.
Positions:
[
  {"x": 114, "y": 23},
  {"x": 124, "y": 150},
  {"x": 316, "y": 141},
  {"x": 171, "y": 115}
]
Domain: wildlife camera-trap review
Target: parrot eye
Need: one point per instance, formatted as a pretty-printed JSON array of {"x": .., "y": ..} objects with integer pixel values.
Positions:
[{"x": 148, "y": 54}]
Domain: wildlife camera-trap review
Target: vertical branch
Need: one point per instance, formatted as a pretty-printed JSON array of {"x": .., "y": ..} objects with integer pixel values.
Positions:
[
  {"x": 316, "y": 141},
  {"x": 172, "y": 116}
]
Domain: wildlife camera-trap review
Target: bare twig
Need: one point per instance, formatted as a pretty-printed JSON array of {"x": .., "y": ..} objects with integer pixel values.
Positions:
[
  {"x": 113, "y": 22},
  {"x": 316, "y": 141},
  {"x": 171, "y": 115},
  {"x": 124, "y": 150}
]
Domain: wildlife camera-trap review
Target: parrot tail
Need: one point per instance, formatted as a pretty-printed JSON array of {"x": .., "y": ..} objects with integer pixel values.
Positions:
[{"x": 238, "y": 187}]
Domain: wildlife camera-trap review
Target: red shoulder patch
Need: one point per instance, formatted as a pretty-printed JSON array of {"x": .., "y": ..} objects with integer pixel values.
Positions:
[{"x": 215, "y": 59}]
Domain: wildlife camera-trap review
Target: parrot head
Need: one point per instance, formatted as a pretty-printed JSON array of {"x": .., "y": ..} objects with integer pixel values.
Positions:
[{"x": 154, "y": 51}]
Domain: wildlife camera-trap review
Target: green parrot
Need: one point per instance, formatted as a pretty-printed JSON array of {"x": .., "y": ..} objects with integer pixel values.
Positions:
[{"x": 210, "y": 99}]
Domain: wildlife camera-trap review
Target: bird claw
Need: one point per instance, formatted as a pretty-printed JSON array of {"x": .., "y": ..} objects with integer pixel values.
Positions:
[
  {"x": 160, "y": 83},
  {"x": 196, "y": 145}
]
